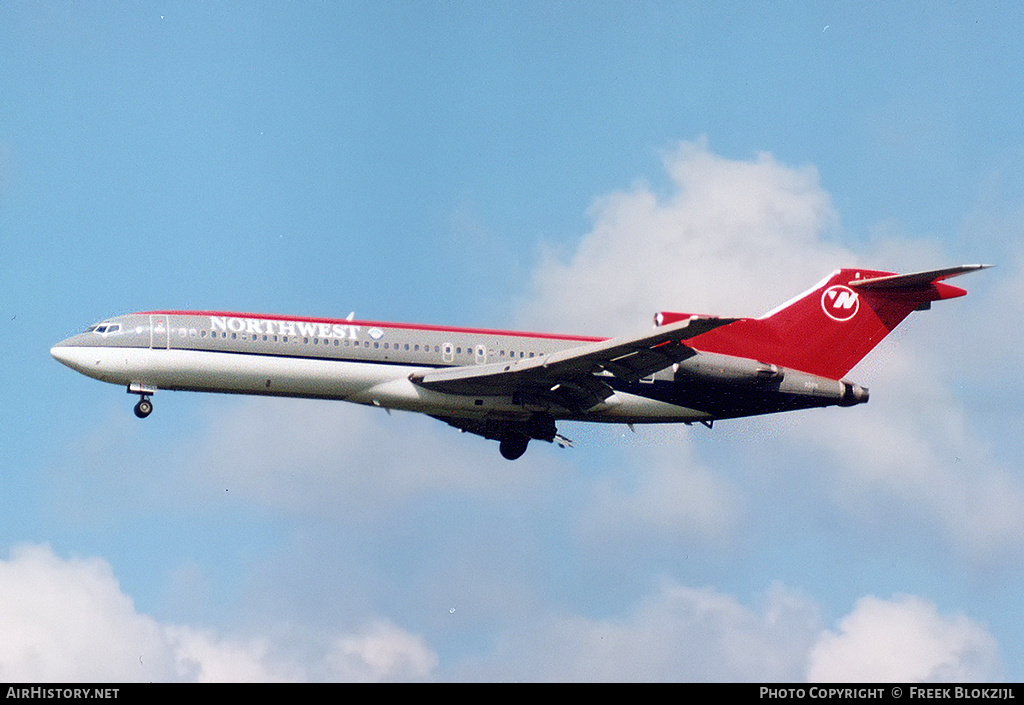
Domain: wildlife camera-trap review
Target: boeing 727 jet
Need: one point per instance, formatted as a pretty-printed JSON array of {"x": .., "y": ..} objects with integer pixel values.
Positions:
[{"x": 513, "y": 387}]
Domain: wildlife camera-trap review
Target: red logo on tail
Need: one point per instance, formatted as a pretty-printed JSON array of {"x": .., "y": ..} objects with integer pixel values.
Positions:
[{"x": 840, "y": 303}]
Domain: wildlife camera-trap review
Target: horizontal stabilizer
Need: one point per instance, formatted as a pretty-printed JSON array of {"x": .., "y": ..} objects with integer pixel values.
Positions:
[{"x": 918, "y": 280}]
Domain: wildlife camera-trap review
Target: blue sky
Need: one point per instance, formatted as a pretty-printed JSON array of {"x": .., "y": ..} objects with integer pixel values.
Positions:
[{"x": 554, "y": 166}]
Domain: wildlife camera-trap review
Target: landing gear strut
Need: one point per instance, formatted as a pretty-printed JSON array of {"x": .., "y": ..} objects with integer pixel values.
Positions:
[{"x": 144, "y": 407}]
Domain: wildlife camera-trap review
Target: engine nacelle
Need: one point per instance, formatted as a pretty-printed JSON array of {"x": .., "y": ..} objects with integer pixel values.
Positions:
[
  {"x": 853, "y": 394},
  {"x": 752, "y": 380},
  {"x": 727, "y": 370}
]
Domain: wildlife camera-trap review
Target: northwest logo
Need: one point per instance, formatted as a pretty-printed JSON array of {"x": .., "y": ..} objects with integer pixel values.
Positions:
[
  {"x": 258, "y": 326},
  {"x": 840, "y": 302}
]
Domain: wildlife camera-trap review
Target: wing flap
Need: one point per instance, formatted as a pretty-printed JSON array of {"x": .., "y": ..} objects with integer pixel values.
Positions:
[{"x": 636, "y": 365}]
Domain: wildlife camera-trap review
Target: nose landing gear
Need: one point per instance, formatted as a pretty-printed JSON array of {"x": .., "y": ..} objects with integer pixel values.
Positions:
[{"x": 144, "y": 407}]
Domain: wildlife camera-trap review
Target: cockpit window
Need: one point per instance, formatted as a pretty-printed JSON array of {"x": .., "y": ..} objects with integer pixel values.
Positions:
[{"x": 105, "y": 328}]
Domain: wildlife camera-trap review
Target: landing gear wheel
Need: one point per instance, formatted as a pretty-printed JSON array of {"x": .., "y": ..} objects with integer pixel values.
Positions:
[
  {"x": 144, "y": 408},
  {"x": 513, "y": 445}
]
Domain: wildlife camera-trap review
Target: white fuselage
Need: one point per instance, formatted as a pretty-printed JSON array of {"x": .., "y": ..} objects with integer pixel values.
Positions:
[{"x": 356, "y": 361}]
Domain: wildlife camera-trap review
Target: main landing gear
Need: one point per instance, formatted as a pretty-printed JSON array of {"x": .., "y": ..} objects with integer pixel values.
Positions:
[
  {"x": 512, "y": 445},
  {"x": 512, "y": 441}
]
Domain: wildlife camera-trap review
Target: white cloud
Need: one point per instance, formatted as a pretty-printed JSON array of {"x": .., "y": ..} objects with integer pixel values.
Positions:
[
  {"x": 382, "y": 652},
  {"x": 676, "y": 634},
  {"x": 996, "y": 336},
  {"x": 68, "y": 620},
  {"x": 732, "y": 238},
  {"x": 904, "y": 640},
  {"x": 914, "y": 453},
  {"x": 202, "y": 656},
  {"x": 64, "y": 620},
  {"x": 664, "y": 493},
  {"x": 738, "y": 237},
  {"x": 681, "y": 633}
]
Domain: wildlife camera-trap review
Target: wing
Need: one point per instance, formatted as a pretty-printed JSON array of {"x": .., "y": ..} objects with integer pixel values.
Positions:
[{"x": 574, "y": 379}]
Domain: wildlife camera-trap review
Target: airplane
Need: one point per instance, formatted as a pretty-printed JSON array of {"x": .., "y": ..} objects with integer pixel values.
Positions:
[{"x": 513, "y": 387}]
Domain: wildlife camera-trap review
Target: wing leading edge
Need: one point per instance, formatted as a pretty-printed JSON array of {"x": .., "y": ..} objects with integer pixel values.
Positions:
[{"x": 570, "y": 378}]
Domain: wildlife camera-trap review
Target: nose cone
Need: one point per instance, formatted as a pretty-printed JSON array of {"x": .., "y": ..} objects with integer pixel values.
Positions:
[
  {"x": 63, "y": 354},
  {"x": 71, "y": 355}
]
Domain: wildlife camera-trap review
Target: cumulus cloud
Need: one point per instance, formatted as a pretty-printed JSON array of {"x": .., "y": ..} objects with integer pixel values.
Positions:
[
  {"x": 666, "y": 493},
  {"x": 68, "y": 620},
  {"x": 737, "y": 237},
  {"x": 687, "y": 634},
  {"x": 731, "y": 237},
  {"x": 678, "y": 633},
  {"x": 915, "y": 453},
  {"x": 64, "y": 620},
  {"x": 382, "y": 651},
  {"x": 903, "y": 640}
]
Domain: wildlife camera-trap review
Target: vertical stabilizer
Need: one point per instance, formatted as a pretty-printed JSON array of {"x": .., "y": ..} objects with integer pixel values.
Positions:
[{"x": 828, "y": 329}]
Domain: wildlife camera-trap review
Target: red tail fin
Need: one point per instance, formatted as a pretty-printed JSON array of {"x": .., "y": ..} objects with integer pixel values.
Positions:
[{"x": 830, "y": 328}]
